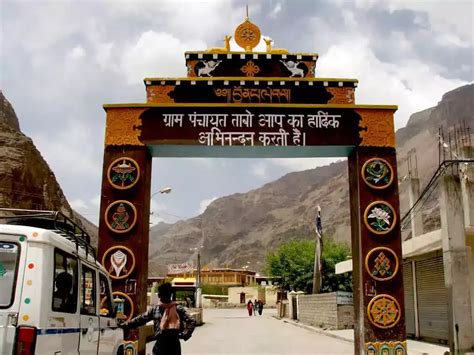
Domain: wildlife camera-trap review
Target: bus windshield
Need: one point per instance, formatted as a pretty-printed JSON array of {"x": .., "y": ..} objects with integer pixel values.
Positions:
[{"x": 9, "y": 253}]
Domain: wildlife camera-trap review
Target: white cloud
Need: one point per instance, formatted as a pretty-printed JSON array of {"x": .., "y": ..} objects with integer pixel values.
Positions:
[
  {"x": 204, "y": 203},
  {"x": 77, "y": 52},
  {"x": 444, "y": 16},
  {"x": 156, "y": 212},
  {"x": 78, "y": 204},
  {"x": 276, "y": 10},
  {"x": 69, "y": 155},
  {"x": 259, "y": 169},
  {"x": 104, "y": 55},
  {"x": 403, "y": 84},
  {"x": 156, "y": 54}
]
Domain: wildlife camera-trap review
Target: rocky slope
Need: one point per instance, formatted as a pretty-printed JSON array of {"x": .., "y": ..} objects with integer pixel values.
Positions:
[
  {"x": 26, "y": 180},
  {"x": 241, "y": 228}
]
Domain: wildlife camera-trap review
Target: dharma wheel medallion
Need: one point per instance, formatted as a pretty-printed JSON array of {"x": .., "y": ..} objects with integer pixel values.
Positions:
[
  {"x": 377, "y": 173},
  {"x": 247, "y": 35},
  {"x": 383, "y": 311}
]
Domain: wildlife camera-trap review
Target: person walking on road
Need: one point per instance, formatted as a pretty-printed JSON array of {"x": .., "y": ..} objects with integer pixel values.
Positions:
[
  {"x": 171, "y": 322},
  {"x": 250, "y": 307},
  {"x": 260, "y": 307},
  {"x": 255, "y": 307}
]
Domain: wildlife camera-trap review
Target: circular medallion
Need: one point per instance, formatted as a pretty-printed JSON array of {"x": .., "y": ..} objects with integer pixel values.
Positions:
[
  {"x": 377, "y": 173},
  {"x": 120, "y": 216},
  {"x": 124, "y": 304},
  {"x": 123, "y": 173},
  {"x": 380, "y": 217},
  {"x": 247, "y": 35},
  {"x": 381, "y": 263},
  {"x": 383, "y": 311},
  {"x": 119, "y": 262}
]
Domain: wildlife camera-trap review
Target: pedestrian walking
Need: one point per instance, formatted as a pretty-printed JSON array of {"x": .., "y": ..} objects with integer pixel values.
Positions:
[
  {"x": 171, "y": 322},
  {"x": 255, "y": 307},
  {"x": 250, "y": 307},
  {"x": 260, "y": 307}
]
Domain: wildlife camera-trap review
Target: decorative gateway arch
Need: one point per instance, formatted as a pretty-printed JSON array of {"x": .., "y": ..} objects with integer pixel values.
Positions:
[{"x": 258, "y": 104}]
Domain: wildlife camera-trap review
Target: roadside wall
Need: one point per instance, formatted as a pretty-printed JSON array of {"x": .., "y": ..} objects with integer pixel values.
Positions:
[{"x": 323, "y": 310}]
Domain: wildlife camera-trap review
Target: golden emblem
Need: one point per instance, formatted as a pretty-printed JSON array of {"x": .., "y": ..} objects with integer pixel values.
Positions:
[
  {"x": 123, "y": 126},
  {"x": 247, "y": 35},
  {"x": 384, "y": 311},
  {"x": 250, "y": 69},
  {"x": 160, "y": 94},
  {"x": 377, "y": 129}
]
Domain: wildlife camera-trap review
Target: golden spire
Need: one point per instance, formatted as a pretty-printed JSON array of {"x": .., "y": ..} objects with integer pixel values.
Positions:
[{"x": 247, "y": 34}]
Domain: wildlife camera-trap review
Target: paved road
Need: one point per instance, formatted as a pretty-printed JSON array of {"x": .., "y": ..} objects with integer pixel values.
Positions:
[{"x": 232, "y": 332}]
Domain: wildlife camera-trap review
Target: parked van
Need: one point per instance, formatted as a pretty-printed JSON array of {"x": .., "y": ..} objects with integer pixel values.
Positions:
[{"x": 55, "y": 297}]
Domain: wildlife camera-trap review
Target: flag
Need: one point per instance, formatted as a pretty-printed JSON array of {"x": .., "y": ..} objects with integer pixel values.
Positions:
[
  {"x": 317, "y": 278},
  {"x": 319, "y": 224}
]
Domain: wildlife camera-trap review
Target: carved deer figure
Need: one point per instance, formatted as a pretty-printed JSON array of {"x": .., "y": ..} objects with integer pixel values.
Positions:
[
  {"x": 225, "y": 49},
  {"x": 271, "y": 50}
]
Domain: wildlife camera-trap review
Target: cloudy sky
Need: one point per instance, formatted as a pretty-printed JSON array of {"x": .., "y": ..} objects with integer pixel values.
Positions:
[{"x": 62, "y": 60}]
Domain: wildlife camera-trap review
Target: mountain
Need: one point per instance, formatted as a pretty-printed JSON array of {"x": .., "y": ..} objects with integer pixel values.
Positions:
[
  {"x": 240, "y": 229},
  {"x": 26, "y": 180}
]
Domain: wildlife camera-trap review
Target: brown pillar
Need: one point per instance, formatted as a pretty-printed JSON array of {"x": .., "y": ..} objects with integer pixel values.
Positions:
[
  {"x": 124, "y": 226},
  {"x": 376, "y": 252}
]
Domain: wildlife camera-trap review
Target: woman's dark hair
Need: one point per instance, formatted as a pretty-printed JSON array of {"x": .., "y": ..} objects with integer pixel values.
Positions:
[{"x": 165, "y": 290}]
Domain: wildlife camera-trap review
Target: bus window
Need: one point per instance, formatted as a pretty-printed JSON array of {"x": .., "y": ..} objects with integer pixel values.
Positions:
[
  {"x": 65, "y": 282},
  {"x": 106, "y": 308},
  {"x": 9, "y": 255},
  {"x": 88, "y": 291}
]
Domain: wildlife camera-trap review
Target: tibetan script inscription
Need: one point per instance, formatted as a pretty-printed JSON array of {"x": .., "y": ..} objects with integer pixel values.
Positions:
[{"x": 239, "y": 94}]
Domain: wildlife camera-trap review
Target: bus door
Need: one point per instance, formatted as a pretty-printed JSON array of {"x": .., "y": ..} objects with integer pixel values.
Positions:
[{"x": 89, "y": 335}]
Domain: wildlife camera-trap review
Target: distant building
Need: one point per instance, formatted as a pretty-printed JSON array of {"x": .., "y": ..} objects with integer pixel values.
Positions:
[{"x": 222, "y": 276}]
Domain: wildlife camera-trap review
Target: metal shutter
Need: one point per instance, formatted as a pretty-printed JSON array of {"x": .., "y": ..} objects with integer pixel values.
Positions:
[
  {"x": 409, "y": 298},
  {"x": 432, "y": 299}
]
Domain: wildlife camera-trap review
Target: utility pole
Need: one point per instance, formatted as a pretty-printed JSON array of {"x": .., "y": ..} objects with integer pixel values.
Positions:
[{"x": 318, "y": 251}]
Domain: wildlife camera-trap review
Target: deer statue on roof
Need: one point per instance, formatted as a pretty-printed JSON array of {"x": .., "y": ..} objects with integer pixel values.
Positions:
[
  {"x": 271, "y": 50},
  {"x": 224, "y": 49}
]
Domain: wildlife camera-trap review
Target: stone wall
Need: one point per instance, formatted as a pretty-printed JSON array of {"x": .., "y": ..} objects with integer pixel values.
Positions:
[{"x": 323, "y": 311}]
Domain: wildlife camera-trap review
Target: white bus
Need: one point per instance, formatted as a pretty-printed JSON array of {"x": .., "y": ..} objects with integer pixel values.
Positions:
[{"x": 55, "y": 297}]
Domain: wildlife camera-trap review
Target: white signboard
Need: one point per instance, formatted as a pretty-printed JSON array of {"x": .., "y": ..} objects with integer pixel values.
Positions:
[{"x": 180, "y": 268}]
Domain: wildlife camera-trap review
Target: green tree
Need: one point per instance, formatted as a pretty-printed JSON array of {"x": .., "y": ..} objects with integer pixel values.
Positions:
[
  {"x": 294, "y": 262},
  {"x": 333, "y": 253}
]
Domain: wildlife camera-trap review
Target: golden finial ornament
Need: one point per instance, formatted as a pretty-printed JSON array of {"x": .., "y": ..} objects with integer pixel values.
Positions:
[{"x": 247, "y": 34}]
